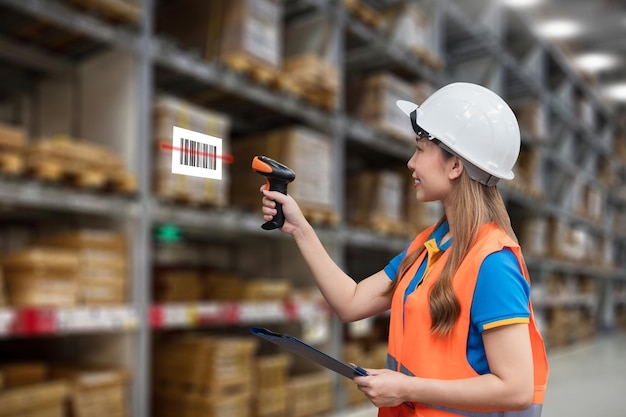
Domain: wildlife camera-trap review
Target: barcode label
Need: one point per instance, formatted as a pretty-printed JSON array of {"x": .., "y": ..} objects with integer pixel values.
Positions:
[{"x": 196, "y": 154}]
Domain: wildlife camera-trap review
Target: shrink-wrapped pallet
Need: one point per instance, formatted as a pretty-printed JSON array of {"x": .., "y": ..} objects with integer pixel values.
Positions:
[
  {"x": 310, "y": 66},
  {"x": 410, "y": 26},
  {"x": 170, "y": 112},
  {"x": 248, "y": 29},
  {"x": 373, "y": 101},
  {"x": 376, "y": 199},
  {"x": 308, "y": 153}
]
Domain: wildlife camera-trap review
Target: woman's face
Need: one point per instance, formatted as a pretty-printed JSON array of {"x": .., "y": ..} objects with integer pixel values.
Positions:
[{"x": 432, "y": 171}]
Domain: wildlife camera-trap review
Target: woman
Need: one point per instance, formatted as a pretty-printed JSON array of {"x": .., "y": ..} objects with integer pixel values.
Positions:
[{"x": 462, "y": 338}]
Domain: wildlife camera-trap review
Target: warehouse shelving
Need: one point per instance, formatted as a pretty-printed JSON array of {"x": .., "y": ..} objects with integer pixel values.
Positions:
[{"x": 535, "y": 68}]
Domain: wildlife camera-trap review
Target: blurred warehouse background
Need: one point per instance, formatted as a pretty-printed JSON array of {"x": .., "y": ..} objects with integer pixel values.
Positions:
[{"x": 126, "y": 290}]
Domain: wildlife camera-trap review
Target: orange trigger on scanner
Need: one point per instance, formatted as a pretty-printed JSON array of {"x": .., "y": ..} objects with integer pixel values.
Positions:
[{"x": 260, "y": 166}]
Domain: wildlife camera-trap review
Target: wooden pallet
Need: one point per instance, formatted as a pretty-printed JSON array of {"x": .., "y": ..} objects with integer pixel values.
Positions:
[
  {"x": 94, "y": 179},
  {"x": 364, "y": 13},
  {"x": 11, "y": 164},
  {"x": 388, "y": 226},
  {"x": 326, "y": 216},
  {"x": 428, "y": 58},
  {"x": 114, "y": 11},
  {"x": 258, "y": 72},
  {"x": 314, "y": 94}
]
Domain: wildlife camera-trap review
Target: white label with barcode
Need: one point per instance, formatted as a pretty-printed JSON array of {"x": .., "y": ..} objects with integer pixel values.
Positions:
[{"x": 196, "y": 154}]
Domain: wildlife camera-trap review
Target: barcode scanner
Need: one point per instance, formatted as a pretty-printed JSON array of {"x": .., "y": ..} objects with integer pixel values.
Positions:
[{"x": 277, "y": 176}]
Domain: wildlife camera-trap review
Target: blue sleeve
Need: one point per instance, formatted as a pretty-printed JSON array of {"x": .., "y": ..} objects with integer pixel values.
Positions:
[
  {"x": 502, "y": 293},
  {"x": 392, "y": 267}
]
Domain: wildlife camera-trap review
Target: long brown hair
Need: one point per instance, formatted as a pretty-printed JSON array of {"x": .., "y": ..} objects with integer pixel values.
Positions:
[{"x": 473, "y": 205}]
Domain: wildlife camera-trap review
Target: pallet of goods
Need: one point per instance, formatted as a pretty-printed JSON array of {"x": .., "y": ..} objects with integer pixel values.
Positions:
[
  {"x": 307, "y": 152},
  {"x": 312, "y": 79},
  {"x": 202, "y": 375},
  {"x": 95, "y": 392},
  {"x": 40, "y": 276},
  {"x": 528, "y": 172},
  {"x": 170, "y": 112},
  {"x": 409, "y": 25},
  {"x": 310, "y": 394},
  {"x": 245, "y": 35},
  {"x": 532, "y": 118},
  {"x": 12, "y": 144},
  {"x": 175, "y": 285},
  {"x": 102, "y": 274},
  {"x": 46, "y": 399},
  {"x": 420, "y": 215},
  {"x": 372, "y": 100},
  {"x": 376, "y": 201},
  {"x": 310, "y": 62},
  {"x": 27, "y": 390},
  {"x": 62, "y": 159},
  {"x": 269, "y": 393}
]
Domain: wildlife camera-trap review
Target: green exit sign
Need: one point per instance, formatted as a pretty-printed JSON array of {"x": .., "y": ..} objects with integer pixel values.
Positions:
[{"x": 168, "y": 233}]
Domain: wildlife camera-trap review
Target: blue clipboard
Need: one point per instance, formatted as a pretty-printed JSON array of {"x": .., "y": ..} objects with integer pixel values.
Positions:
[{"x": 307, "y": 351}]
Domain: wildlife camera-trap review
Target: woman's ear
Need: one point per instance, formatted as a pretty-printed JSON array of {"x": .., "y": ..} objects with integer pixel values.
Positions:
[{"x": 456, "y": 168}]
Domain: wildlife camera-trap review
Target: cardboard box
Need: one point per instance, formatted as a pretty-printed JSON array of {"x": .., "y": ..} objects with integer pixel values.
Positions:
[
  {"x": 102, "y": 273},
  {"x": 95, "y": 392},
  {"x": 373, "y": 101},
  {"x": 23, "y": 374},
  {"x": 33, "y": 288},
  {"x": 376, "y": 196},
  {"x": 310, "y": 394},
  {"x": 43, "y": 399},
  {"x": 308, "y": 153},
  {"x": 407, "y": 25},
  {"x": 204, "y": 367},
  {"x": 177, "y": 285},
  {"x": 421, "y": 214},
  {"x": 223, "y": 28},
  {"x": 12, "y": 138},
  {"x": 170, "y": 112}
]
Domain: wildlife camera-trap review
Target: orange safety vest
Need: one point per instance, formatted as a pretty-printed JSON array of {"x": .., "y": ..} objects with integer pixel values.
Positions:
[{"x": 418, "y": 352}]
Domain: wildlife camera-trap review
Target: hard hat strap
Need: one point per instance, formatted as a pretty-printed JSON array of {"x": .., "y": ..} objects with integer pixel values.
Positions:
[
  {"x": 419, "y": 131},
  {"x": 473, "y": 171}
]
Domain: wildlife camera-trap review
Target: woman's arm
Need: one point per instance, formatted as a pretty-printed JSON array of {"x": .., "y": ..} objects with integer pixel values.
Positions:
[
  {"x": 509, "y": 386},
  {"x": 349, "y": 300}
]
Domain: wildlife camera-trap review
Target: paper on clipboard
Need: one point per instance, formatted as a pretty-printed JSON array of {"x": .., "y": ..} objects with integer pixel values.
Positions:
[{"x": 307, "y": 351}]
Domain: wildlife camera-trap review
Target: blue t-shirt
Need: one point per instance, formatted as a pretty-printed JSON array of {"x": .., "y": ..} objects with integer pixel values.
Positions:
[{"x": 501, "y": 295}]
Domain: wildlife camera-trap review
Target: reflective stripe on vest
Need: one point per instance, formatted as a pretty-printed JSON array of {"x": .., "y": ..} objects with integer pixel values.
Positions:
[{"x": 415, "y": 351}]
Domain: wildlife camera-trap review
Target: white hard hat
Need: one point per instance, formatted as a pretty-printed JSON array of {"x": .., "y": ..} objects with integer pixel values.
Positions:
[{"x": 473, "y": 123}]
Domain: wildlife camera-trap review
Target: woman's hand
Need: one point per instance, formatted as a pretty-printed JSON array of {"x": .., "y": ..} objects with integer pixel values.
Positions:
[
  {"x": 384, "y": 387},
  {"x": 294, "y": 219}
]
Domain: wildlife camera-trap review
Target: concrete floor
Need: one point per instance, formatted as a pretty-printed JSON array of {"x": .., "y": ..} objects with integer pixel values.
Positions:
[{"x": 588, "y": 380}]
